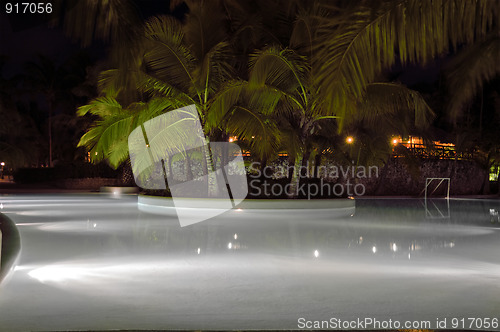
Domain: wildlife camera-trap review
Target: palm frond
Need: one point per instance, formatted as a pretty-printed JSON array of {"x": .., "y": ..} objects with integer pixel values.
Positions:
[
  {"x": 352, "y": 55},
  {"x": 167, "y": 57},
  {"x": 115, "y": 83},
  {"x": 166, "y": 135},
  {"x": 156, "y": 107},
  {"x": 205, "y": 27},
  {"x": 107, "y": 20},
  {"x": 102, "y": 107},
  {"x": 159, "y": 88},
  {"x": 262, "y": 99},
  {"x": 305, "y": 26},
  {"x": 108, "y": 137},
  {"x": 290, "y": 141},
  {"x": 215, "y": 69},
  {"x": 280, "y": 68},
  {"x": 395, "y": 106},
  {"x": 259, "y": 130},
  {"x": 228, "y": 96},
  {"x": 117, "y": 146},
  {"x": 469, "y": 71}
]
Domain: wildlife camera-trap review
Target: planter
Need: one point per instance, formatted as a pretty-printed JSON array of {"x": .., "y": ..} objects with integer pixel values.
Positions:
[{"x": 321, "y": 208}]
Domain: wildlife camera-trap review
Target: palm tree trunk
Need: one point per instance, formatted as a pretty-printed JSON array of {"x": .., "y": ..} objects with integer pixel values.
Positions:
[
  {"x": 295, "y": 181},
  {"x": 291, "y": 167},
  {"x": 204, "y": 166},
  {"x": 50, "y": 133},
  {"x": 187, "y": 165},
  {"x": 485, "y": 187},
  {"x": 317, "y": 164},
  {"x": 381, "y": 181},
  {"x": 170, "y": 170},
  {"x": 498, "y": 181},
  {"x": 127, "y": 176},
  {"x": 481, "y": 116},
  {"x": 304, "y": 169},
  {"x": 164, "y": 171},
  {"x": 263, "y": 166},
  {"x": 212, "y": 189}
]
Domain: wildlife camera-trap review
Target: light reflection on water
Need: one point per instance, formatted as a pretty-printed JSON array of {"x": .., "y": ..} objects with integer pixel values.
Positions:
[
  {"x": 106, "y": 247},
  {"x": 392, "y": 229},
  {"x": 381, "y": 226}
]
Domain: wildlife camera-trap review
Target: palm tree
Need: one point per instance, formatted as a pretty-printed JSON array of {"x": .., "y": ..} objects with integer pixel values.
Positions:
[
  {"x": 328, "y": 64},
  {"x": 189, "y": 62},
  {"x": 476, "y": 128},
  {"x": 176, "y": 65},
  {"x": 473, "y": 78},
  {"x": 19, "y": 136},
  {"x": 55, "y": 83},
  {"x": 356, "y": 45},
  {"x": 282, "y": 83},
  {"x": 107, "y": 139},
  {"x": 469, "y": 71}
]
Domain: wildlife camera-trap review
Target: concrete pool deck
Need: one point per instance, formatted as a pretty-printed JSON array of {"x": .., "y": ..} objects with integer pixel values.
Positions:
[{"x": 90, "y": 262}]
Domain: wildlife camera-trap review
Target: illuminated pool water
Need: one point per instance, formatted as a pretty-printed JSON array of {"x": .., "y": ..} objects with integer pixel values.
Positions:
[{"x": 89, "y": 262}]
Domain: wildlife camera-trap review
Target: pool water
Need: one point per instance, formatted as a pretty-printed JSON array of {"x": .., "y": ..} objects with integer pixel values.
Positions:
[{"x": 91, "y": 262}]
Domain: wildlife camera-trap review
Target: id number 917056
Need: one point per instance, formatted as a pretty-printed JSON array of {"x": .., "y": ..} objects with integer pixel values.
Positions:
[
  {"x": 28, "y": 8},
  {"x": 474, "y": 323}
]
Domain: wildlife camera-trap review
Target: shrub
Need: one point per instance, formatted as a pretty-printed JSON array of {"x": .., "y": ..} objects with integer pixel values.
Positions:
[{"x": 74, "y": 170}]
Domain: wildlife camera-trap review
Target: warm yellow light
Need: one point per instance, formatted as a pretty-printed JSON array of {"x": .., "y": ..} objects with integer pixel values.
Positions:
[
  {"x": 394, "y": 141},
  {"x": 2, "y": 163},
  {"x": 349, "y": 139}
]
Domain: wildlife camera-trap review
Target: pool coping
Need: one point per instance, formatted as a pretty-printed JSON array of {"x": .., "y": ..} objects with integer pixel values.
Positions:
[
  {"x": 249, "y": 204},
  {"x": 205, "y": 208}
]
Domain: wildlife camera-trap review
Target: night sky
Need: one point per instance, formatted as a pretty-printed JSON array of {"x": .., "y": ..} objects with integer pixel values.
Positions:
[{"x": 23, "y": 37}]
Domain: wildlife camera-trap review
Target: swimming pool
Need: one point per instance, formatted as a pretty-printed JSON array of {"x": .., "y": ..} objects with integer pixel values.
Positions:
[{"x": 90, "y": 262}]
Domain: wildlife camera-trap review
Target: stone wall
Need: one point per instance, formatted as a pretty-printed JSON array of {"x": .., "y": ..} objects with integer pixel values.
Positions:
[
  {"x": 397, "y": 178},
  {"x": 87, "y": 183}
]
